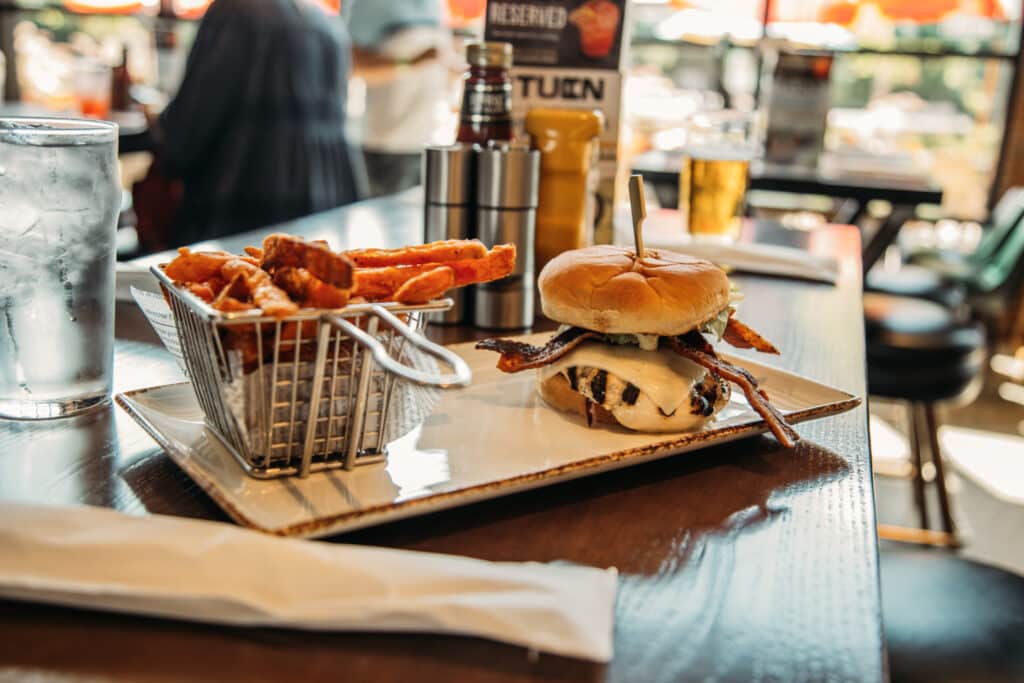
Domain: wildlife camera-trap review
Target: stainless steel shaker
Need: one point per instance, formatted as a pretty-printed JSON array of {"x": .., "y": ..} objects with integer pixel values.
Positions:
[
  {"x": 449, "y": 183},
  {"x": 508, "y": 177}
]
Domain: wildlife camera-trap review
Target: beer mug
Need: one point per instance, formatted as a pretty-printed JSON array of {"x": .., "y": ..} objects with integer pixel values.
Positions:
[{"x": 713, "y": 176}]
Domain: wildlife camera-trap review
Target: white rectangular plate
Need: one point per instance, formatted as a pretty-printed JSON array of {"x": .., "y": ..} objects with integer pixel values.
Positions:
[{"x": 491, "y": 439}]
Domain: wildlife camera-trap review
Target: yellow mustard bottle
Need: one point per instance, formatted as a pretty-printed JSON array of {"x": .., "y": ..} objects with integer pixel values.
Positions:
[{"x": 567, "y": 140}]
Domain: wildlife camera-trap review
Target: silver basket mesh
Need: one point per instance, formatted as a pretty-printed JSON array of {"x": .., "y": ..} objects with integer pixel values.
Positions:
[{"x": 294, "y": 395}]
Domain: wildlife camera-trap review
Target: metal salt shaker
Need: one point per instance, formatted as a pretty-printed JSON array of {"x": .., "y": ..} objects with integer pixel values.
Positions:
[
  {"x": 508, "y": 177},
  {"x": 449, "y": 180}
]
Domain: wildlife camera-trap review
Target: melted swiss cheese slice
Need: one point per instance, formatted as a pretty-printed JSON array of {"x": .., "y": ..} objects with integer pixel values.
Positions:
[{"x": 665, "y": 376}]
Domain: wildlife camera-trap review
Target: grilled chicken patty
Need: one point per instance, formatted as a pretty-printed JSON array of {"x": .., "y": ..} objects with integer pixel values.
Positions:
[{"x": 610, "y": 391}]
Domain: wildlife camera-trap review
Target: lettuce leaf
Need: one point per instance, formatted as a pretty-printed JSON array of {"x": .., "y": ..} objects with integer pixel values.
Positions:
[
  {"x": 716, "y": 325},
  {"x": 647, "y": 342}
]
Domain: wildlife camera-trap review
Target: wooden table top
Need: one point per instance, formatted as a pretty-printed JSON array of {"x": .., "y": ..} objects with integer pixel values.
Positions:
[{"x": 742, "y": 562}]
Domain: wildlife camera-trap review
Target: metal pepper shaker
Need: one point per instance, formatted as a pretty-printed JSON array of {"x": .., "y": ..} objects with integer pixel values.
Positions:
[
  {"x": 508, "y": 178},
  {"x": 449, "y": 183}
]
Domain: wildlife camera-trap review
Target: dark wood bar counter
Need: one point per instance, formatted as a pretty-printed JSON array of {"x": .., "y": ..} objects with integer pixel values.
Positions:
[{"x": 741, "y": 562}]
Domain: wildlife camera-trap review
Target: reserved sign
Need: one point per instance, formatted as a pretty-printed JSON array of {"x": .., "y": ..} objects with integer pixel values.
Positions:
[{"x": 581, "y": 34}]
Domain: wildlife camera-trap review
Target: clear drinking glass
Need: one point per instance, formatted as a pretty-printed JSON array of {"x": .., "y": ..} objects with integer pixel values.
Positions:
[
  {"x": 93, "y": 85},
  {"x": 713, "y": 176},
  {"x": 59, "y": 200}
]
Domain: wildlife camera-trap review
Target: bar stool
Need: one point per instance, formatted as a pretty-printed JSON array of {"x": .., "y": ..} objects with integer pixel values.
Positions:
[
  {"x": 921, "y": 283},
  {"x": 949, "y": 619},
  {"x": 921, "y": 353}
]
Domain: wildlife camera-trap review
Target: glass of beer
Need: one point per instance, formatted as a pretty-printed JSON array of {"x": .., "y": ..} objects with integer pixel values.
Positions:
[{"x": 713, "y": 176}]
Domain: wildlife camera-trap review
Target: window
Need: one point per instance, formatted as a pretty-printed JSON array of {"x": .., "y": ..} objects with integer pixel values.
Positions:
[{"x": 917, "y": 87}]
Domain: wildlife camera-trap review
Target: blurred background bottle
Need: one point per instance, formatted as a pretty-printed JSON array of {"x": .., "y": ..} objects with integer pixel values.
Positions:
[
  {"x": 487, "y": 94},
  {"x": 121, "y": 84},
  {"x": 567, "y": 140}
]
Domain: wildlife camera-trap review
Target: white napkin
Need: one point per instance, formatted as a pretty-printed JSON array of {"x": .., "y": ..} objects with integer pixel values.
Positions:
[
  {"x": 663, "y": 231},
  {"x": 762, "y": 259},
  {"x": 160, "y": 316},
  {"x": 211, "y": 572}
]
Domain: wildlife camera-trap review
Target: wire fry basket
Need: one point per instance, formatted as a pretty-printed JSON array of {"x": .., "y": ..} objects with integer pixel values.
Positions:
[{"x": 308, "y": 392}]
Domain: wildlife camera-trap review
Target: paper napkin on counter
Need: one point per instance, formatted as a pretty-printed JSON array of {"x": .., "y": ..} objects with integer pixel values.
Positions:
[
  {"x": 762, "y": 259},
  {"x": 188, "y": 569},
  {"x": 663, "y": 231},
  {"x": 160, "y": 316}
]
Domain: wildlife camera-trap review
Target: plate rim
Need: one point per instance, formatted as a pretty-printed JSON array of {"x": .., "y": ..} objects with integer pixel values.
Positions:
[{"x": 352, "y": 520}]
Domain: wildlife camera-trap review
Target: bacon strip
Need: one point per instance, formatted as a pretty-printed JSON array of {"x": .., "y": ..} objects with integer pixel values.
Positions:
[
  {"x": 744, "y": 337},
  {"x": 517, "y": 355},
  {"x": 757, "y": 399}
]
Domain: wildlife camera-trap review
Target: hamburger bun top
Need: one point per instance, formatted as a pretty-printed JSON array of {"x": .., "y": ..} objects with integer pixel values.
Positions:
[{"x": 607, "y": 289}]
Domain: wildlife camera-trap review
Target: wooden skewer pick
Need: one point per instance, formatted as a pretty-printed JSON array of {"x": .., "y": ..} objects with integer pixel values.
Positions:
[{"x": 638, "y": 206}]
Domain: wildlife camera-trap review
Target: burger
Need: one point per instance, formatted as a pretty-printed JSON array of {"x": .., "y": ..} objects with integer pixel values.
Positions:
[{"x": 634, "y": 344}]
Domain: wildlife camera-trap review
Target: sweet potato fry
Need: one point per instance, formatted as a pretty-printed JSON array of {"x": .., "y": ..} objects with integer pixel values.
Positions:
[
  {"x": 382, "y": 283},
  {"x": 424, "y": 254},
  {"x": 290, "y": 331},
  {"x": 272, "y": 299},
  {"x": 243, "y": 340},
  {"x": 232, "y": 295},
  {"x": 742, "y": 336},
  {"x": 322, "y": 295},
  {"x": 374, "y": 284},
  {"x": 203, "y": 290},
  {"x": 208, "y": 290},
  {"x": 237, "y": 289},
  {"x": 309, "y": 290},
  {"x": 255, "y": 252},
  {"x": 285, "y": 250},
  {"x": 217, "y": 284},
  {"x": 290, "y": 280},
  {"x": 499, "y": 262},
  {"x": 426, "y": 286},
  {"x": 197, "y": 266},
  {"x": 200, "y": 266},
  {"x": 229, "y": 304}
]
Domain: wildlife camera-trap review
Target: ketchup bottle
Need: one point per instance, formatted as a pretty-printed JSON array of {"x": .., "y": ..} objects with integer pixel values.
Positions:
[{"x": 487, "y": 94}]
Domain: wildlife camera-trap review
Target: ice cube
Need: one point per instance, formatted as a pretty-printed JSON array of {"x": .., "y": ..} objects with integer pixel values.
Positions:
[{"x": 18, "y": 219}]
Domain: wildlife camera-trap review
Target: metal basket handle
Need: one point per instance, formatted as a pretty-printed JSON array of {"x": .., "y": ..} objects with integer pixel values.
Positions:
[{"x": 460, "y": 377}]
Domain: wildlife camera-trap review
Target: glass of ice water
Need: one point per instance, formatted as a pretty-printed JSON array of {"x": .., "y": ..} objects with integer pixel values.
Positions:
[{"x": 59, "y": 200}]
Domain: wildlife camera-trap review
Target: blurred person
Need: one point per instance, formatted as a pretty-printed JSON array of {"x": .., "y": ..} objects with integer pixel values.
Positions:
[
  {"x": 256, "y": 132},
  {"x": 403, "y": 52}
]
